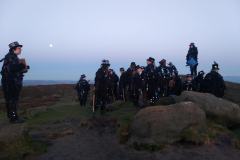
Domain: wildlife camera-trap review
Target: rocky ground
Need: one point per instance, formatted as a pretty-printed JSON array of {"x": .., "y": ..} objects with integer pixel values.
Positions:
[{"x": 58, "y": 128}]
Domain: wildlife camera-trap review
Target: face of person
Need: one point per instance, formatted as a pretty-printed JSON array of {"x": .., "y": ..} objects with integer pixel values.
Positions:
[
  {"x": 149, "y": 62},
  {"x": 18, "y": 50},
  {"x": 139, "y": 70},
  {"x": 107, "y": 67}
]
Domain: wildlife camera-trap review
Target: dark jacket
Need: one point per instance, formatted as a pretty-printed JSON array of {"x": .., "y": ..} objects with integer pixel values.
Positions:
[
  {"x": 12, "y": 70},
  {"x": 114, "y": 78},
  {"x": 172, "y": 70},
  {"x": 101, "y": 80},
  {"x": 163, "y": 72},
  {"x": 192, "y": 53},
  {"x": 214, "y": 83},
  {"x": 138, "y": 82},
  {"x": 82, "y": 85},
  {"x": 150, "y": 74},
  {"x": 129, "y": 76},
  {"x": 123, "y": 80}
]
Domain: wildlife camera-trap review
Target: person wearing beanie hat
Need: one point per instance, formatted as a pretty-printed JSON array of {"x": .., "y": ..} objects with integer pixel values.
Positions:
[
  {"x": 214, "y": 82},
  {"x": 13, "y": 70},
  {"x": 82, "y": 88}
]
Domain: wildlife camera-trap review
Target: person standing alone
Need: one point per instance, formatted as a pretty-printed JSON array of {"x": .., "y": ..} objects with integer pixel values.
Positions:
[
  {"x": 13, "y": 70},
  {"x": 192, "y": 59}
]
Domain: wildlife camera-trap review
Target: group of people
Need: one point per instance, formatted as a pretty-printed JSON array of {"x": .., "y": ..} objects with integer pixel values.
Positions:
[
  {"x": 143, "y": 85},
  {"x": 210, "y": 83},
  {"x": 137, "y": 84}
]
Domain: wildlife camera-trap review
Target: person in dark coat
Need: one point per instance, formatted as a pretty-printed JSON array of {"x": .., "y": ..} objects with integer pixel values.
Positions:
[
  {"x": 192, "y": 59},
  {"x": 82, "y": 88},
  {"x": 139, "y": 86},
  {"x": 198, "y": 82},
  {"x": 13, "y": 70},
  {"x": 113, "y": 85},
  {"x": 123, "y": 85},
  {"x": 163, "y": 78},
  {"x": 214, "y": 82},
  {"x": 150, "y": 74},
  {"x": 172, "y": 69},
  {"x": 129, "y": 74},
  {"x": 188, "y": 83},
  {"x": 101, "y": 85},
  {"x": 175, "y": 85}
]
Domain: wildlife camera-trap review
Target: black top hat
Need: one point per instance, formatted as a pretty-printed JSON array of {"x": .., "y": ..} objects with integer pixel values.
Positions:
[
  {"x": 163, "y": 61},
  {"x": 201, "y": 73},
  {"x": 151, "y": 59},
  {"x": 133, "y": 64},
  {"x": 138, "y": 67},
  {"x": 14, "y": 45},
  {"x": 105, "y": 62},
  {"x": 215, "y": 66},
  {"x": 122, "y": 69},
  {"x": 83, "y": 76},
  {"x": 192, "y": 44}
]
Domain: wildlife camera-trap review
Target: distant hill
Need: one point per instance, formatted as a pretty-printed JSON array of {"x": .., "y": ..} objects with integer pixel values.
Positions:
[
  {"x": 48, "y": 82},
  {"x": 235, "y": 79}
]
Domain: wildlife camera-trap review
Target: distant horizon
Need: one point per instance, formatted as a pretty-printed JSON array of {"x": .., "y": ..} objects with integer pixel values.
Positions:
[
  {"x": 86, "y": 78},
  {"x": 226, "y": 78}
]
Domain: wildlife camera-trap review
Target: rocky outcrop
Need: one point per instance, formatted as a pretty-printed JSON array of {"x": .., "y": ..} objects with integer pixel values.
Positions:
[
  {"x": 222, "y": 110},
  {"x": 165, "y": 124}
]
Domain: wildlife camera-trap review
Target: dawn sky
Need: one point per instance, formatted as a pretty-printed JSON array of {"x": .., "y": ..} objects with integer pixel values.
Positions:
[{"x": 65, "y": 38}]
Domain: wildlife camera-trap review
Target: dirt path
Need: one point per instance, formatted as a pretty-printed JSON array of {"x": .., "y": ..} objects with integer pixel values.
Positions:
[{"x": 99, "y": 142}]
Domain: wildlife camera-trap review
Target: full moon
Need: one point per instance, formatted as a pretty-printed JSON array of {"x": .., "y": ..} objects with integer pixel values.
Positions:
[{"x": 50, "y": 45}]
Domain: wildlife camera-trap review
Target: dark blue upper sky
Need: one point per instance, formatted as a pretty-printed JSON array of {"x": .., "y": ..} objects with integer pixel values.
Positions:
[{"x": 82, "y": 33}]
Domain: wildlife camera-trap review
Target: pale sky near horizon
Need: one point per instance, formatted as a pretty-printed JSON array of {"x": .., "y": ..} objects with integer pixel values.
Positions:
[{"x": 65, "y": 38}]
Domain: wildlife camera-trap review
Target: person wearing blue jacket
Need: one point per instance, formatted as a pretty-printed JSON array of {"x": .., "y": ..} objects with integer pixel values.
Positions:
[{"x": 192, "y": 59}]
